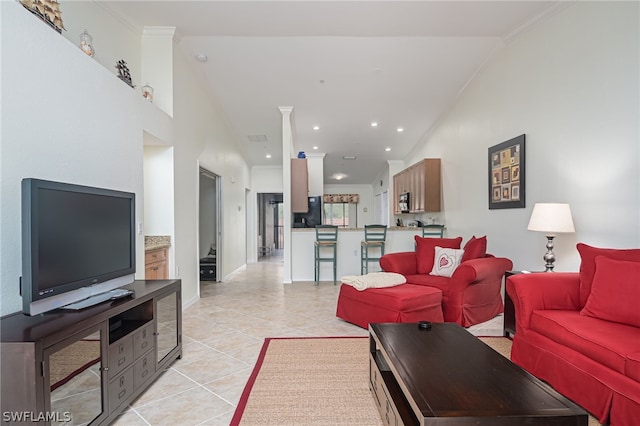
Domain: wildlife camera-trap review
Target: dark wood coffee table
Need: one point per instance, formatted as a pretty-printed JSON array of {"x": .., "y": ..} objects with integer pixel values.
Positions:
[{"x": 445, "y": 375}]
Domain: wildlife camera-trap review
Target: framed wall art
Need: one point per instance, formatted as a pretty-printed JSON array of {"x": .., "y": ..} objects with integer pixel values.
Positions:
[{"x": 506, "y": 174}]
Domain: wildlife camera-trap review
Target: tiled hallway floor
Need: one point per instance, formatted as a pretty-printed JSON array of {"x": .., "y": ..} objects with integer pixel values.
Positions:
[{"x": 222, "y": 336}]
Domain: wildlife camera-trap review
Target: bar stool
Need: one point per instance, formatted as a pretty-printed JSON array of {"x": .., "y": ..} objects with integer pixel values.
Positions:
[
  {"x": 326, "y": 237},
  {"x": 374, "y": 237},
  {"x": 433, "y": 231}
]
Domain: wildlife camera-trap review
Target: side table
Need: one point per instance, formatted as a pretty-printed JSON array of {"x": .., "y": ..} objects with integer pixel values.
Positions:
[{"x": 509, "y": 326}]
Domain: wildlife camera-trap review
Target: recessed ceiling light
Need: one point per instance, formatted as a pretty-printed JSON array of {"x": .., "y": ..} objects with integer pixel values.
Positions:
[
  {"x": 374, "y": 124},
  {"x": 349, "y": 157},
  {"x": 315, "y": 147},
  {"x": 387, "y": 149},
  {"x": 339, "y": 176},
  {"x": 202, "y": 57},
  {"x": 400, "y": 129},
  {"x": 268, "y": 155},
  {"x": 316, "y": 127}
]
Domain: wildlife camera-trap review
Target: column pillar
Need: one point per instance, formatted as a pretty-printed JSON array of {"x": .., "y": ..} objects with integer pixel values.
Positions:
[{"x": 287, "y": 154}]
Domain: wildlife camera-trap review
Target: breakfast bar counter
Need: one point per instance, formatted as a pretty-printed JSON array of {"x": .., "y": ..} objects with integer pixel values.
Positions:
[{"x": 302, "y": 239}]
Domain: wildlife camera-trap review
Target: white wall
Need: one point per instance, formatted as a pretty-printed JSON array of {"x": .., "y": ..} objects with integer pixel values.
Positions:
[
  {"x": 315, "y": 168},
  {"x": 62, "y": 127},
  {"x": 110, "y": 46},
  {"x": 158, "y": 190},
  {"x": 202, "y": 139},
  {"x": 158, "y": 193},
  {"x": 266, "y": 179},
  {"x": 571, "y": 85},
  {"x": 156, "y": 64}
]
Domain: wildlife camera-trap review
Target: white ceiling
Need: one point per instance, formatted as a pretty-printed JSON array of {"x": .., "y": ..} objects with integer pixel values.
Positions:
[{"x": 340, "y": 65}]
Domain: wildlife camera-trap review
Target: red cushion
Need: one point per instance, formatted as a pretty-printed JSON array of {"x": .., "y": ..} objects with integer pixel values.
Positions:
[
  {"x": 475, "y": 248},
  {"x": 588, "y": 264},
  {"x": 442, "y": 283},
  {"x": 633, "y": 366},
  {"x": 615, "y": 292},
  {"x": 606, "y": 342},
  {"x": 426, "y": 251},
  {"x": 403, "y": 297}
]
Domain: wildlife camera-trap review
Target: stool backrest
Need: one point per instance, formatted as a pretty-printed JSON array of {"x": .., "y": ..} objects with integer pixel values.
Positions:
[
  {"x": 375, "y": 232},
  {"x": 326, "y": 233},
  {"x": 433, "y": 231}
]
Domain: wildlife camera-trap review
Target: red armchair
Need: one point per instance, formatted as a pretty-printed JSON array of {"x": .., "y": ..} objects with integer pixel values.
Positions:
[{"x": 470, "y": 296}]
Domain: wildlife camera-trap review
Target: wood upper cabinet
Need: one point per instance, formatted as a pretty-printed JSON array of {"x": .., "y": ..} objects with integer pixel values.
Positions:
[
  {"x": 422, "y": 182},
  {"x": 299, "y": 186}
]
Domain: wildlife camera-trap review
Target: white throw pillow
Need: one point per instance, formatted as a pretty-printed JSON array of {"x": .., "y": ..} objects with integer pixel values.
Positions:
[{"x": 446, "y": 261}]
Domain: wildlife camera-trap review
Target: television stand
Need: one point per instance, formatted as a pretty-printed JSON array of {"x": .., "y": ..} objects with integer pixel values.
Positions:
[
  {"x": 109, "y": 353},
  {"x": 117, "y": 293}
]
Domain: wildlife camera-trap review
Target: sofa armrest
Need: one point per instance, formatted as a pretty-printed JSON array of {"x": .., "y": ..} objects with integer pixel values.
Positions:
[
  {"x": 475, "y": 271},
  {"x": 543, "y": 290},
  {"x": 401, "y": 263},
  {"x": 481, "y": 269}
]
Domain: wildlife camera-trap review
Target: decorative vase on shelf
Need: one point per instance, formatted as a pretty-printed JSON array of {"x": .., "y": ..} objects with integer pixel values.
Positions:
[
  {"x": 301, "y": 154},
  {"x": 86, "y": 43},
  {"x": 147, "y": 92}
]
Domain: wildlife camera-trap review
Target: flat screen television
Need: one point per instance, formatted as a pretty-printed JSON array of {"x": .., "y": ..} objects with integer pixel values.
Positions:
[{"x": 77, "y": 242}]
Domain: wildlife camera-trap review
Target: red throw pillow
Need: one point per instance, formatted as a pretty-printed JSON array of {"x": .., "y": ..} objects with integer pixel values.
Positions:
[
  {"x": 615, "y": 292},
  {"x": 588, "y": 264},
  {"x": 475, "y": 248},
  {"x": 426, "y": 251}
]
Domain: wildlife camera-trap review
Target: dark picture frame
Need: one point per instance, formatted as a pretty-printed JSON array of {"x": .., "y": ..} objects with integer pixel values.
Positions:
[{"x": 507, "y": 174}]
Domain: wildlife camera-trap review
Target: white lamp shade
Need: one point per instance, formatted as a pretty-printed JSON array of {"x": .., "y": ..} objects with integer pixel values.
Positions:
[{"x": 551, "y": 218}]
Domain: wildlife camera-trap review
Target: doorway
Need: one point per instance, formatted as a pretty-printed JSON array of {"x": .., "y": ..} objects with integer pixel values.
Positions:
[
  {"x": 270, "y": 226},
  {"x": 209, "y": 229}
]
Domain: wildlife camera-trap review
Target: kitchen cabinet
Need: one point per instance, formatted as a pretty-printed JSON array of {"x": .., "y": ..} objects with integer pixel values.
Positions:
[
  {"x": 299, "y": 185},
  {"x": 422, "y": 182},
  {"x": 155, "y": 264}
]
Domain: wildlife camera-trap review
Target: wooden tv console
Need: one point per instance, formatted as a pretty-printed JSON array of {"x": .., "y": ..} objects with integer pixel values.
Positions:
[{"x": 86, "y": 366}]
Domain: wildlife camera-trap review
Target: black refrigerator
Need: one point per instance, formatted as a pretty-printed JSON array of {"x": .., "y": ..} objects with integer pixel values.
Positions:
[{"x": 312, "y": 218}]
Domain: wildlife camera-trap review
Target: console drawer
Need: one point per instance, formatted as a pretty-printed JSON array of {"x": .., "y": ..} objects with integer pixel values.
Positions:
[
  {"x": 120, "y": 389},
  {"x": 143, "y": 340},
  {"x": 378, "y": 369},
  {"x": 120, "y": 355},
  {"x": 143, "y": 369}
]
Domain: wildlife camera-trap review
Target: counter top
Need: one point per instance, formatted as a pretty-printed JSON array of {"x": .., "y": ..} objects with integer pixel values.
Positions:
[
  {"x": 390, "y": 228},
  {"x": 155, "y": 242}
]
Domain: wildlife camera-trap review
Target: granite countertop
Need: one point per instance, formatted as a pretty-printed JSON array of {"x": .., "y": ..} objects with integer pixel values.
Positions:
[
  {"x": 390, "y": 228},
  {"x": 154, "y": 242}
]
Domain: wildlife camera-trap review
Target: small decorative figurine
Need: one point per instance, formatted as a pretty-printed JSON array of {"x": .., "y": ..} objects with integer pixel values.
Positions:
[
  {"x": 123, "y": 72},
  {"x": 47, "y": 10},
  {"x": 86, "y": 43},
  {"x": 147, "y": 92}
]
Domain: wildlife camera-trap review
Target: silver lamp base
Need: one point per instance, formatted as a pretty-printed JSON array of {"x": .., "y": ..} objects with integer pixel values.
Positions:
[{"x": 549, "y": 257}]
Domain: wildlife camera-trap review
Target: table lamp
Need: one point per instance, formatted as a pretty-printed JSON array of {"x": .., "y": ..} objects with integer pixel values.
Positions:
[{"x": 551, "y": 218}]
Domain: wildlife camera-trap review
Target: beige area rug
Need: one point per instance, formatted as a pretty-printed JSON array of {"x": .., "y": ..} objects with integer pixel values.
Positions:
[
  {"x": 72, "y": 360},
  {"x": 317, "y": 382},
  {"x": 309, "y": 381}
]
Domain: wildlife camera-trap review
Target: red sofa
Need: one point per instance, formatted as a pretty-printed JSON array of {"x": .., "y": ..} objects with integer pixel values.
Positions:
[
  {"x": 580, "y": 331},
  {"x": 473, "y": 292}
]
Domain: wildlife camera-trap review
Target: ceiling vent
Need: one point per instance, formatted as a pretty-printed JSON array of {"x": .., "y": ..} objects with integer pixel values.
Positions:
[{"x": 257, "y": 138}]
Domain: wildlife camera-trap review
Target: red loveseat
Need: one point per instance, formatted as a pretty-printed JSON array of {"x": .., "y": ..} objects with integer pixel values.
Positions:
[
  {"x": 472, "y": 294},
  {"x": 580, "y": 331}
]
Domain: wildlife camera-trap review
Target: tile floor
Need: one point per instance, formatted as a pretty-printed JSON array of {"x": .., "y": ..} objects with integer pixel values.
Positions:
[{"x": 222, "y": 336}]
